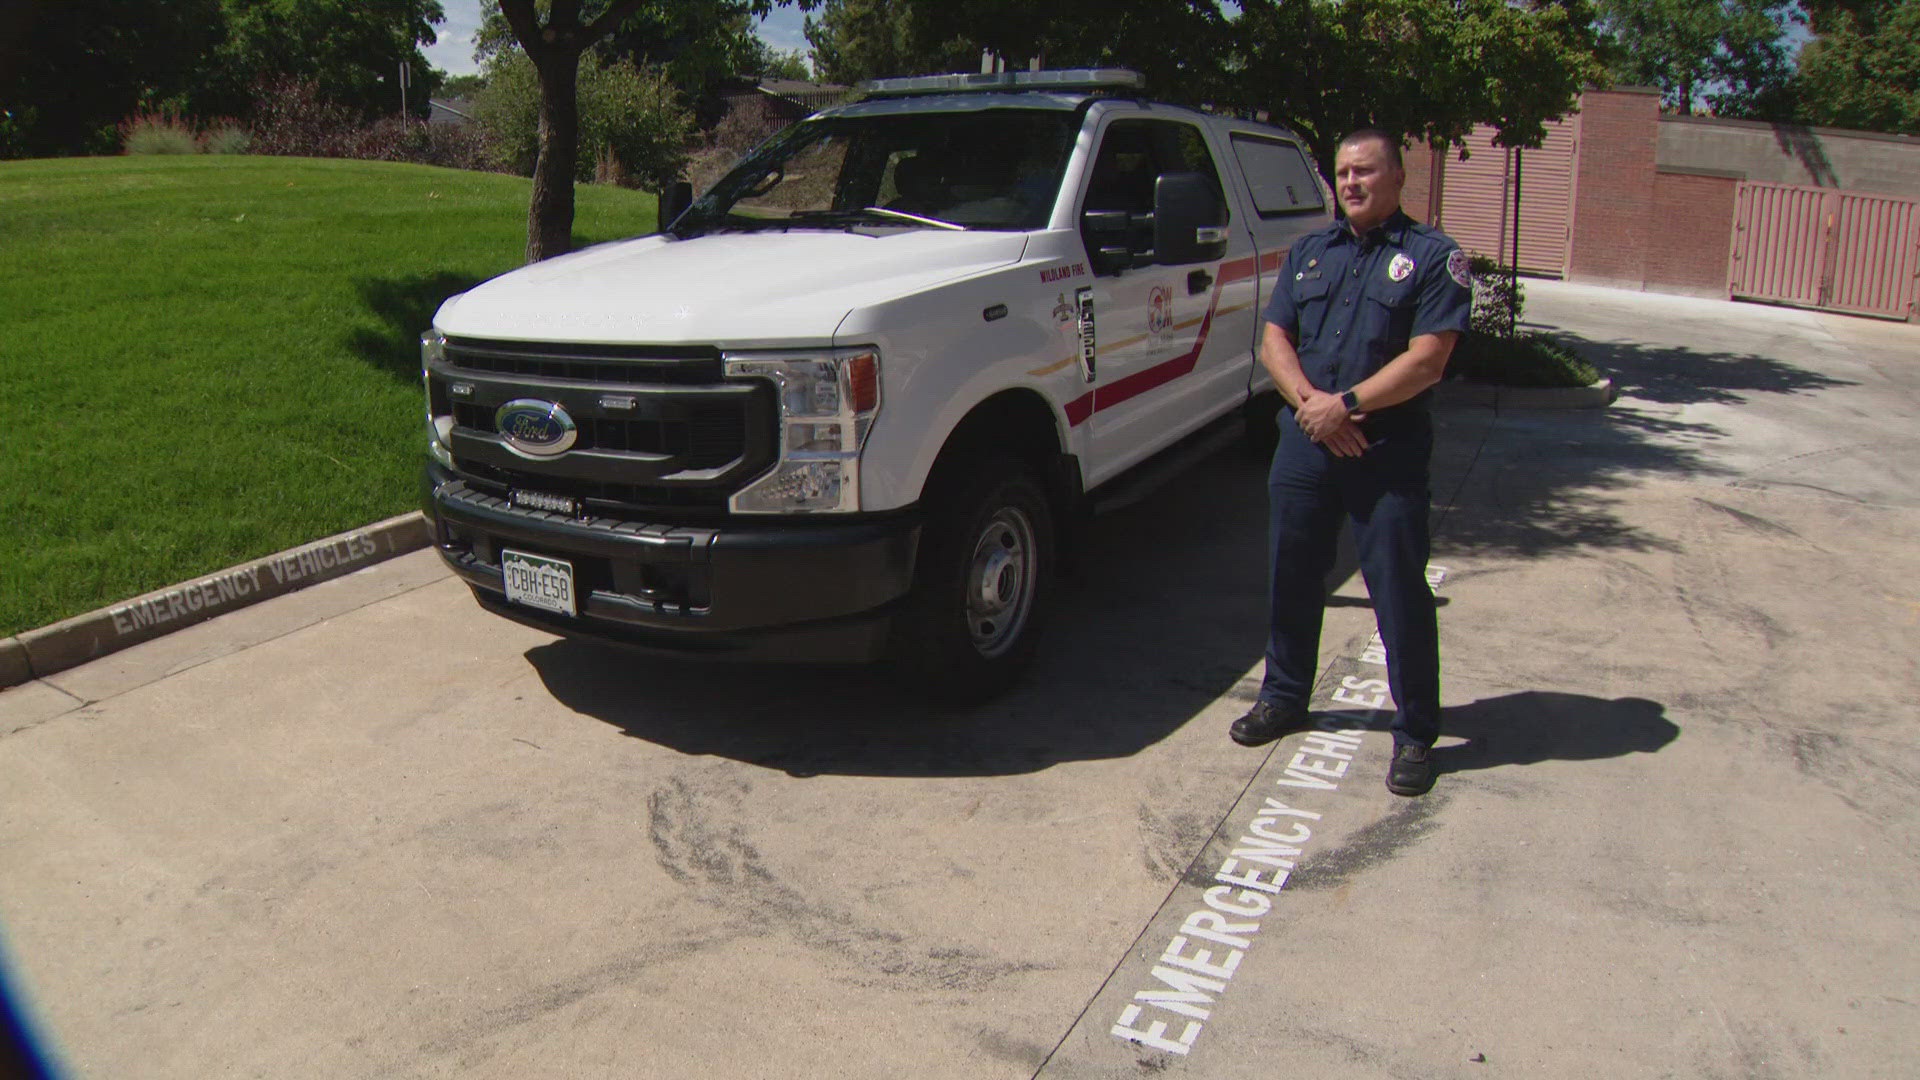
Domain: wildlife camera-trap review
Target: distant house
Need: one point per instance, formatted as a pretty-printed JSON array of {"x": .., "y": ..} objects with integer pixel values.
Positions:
[
  {"x": 799, "y": 99},
  {"x": 771, "y": 104},
  {"x": 451, "y": 111}
]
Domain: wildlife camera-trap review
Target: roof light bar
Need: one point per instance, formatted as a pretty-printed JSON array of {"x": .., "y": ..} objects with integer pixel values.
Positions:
[{"x": 1065, "y": 79}]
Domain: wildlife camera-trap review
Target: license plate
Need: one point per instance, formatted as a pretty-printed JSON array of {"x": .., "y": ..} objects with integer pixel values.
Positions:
[{"x": 537, "y": 581}]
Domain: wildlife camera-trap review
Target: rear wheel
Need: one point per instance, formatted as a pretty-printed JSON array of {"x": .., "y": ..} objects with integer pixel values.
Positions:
[{"x": 982, "y": 581}]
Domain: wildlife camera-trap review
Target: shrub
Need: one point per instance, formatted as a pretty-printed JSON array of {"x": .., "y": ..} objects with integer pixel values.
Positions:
[
  {"x": 157, "y": 133},
  {"x": 632, "y": 117},
  {"x": 291, "y": 118},
  {"x": 746, "y": 125},
  {"x": 1529, "y": 359},
  {"x": 1498, "y": 298},
  {"x": 225, "y": 137},
  {"x": 416, "y": 141}
]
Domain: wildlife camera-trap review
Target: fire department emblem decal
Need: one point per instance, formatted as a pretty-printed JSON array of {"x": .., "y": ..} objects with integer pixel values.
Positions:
[
  {"x": 1400, "y": 267},
  {"x": 1159, "y": 310}
]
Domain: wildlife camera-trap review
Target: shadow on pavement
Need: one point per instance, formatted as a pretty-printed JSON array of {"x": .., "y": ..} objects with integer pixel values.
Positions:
[
  {"x": 1536, "y": 725},
  {"x": 1541, "y": 481},
  {"x": 1678, "y": 375},
  {"x": 1163, "y": 615}
]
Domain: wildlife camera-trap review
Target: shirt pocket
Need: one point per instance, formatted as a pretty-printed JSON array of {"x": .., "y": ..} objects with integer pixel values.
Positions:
[
  {"x": 1310, "y": 301},
  {"x": 1390, "y": 310}
]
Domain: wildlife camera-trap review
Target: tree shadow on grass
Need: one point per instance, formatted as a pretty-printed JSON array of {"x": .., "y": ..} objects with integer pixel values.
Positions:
[{"x": 403, "y": 308}]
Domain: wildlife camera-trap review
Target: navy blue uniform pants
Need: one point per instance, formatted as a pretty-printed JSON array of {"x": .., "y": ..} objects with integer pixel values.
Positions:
[{"x": 1384, "y": 494}]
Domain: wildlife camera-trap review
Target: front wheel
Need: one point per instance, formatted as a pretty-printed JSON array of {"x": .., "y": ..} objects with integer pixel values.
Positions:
[{"x": 982, "y": 581}]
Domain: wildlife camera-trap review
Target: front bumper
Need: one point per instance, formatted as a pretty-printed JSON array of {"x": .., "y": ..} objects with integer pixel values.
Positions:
[{"x": 811, "y": 590}]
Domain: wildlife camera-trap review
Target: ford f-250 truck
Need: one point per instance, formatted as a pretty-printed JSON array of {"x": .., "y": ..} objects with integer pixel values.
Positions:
[{"x": 848, "y": 403}]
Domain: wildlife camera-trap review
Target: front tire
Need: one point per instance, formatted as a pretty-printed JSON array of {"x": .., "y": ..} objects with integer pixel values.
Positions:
[{"x": 982, "y": 581}]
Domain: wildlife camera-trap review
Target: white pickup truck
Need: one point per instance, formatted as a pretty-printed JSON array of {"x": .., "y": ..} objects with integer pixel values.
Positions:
[{"x": 850, "y": 402}]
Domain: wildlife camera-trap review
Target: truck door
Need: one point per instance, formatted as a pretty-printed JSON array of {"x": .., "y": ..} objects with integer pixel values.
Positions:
[
  {"x": 1173, "y": 341},
  {"x": 1288, "y": 201}
]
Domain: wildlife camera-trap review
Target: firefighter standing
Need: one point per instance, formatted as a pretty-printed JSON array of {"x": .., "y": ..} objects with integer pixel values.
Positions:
[{"x": 1358, "y": 329}]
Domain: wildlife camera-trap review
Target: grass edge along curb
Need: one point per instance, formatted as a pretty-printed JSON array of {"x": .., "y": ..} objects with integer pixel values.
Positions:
[{"x": 35, "y": 654}]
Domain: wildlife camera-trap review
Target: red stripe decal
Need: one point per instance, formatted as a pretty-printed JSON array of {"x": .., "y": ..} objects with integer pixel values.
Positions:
[{"x": 1106, "y": 397}]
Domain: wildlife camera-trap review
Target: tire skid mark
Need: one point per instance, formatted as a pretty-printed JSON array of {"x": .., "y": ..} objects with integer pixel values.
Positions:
[
  {"x": 1371, "y": 845},
  {"x": 725, "y": 871}
]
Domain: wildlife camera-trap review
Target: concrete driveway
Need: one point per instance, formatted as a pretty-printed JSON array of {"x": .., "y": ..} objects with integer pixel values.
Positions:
[{"x": 368, "y": 831}]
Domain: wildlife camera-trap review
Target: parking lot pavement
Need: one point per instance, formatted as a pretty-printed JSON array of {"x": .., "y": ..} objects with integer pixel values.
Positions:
[{"x": 378, "y": 834}]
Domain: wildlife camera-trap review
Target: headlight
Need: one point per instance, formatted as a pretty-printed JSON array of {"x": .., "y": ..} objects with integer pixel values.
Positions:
[
  {"x": 827, "y": 405},
  {"x": 433, "y": 348}
]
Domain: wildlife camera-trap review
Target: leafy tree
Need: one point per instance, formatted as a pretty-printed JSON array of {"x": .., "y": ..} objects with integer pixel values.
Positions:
[
  {"x": 1176, "y": 44},
  {"x": 1731, "y": 55},
  {"x": 704, "y": 45},
  {"x": 462, "y": 86},
  {"x": 70, "y": 71},
  {"x": 352, "y": 48},
  {"x": 857, "y": 40},
  {"x": 1430, "y": 69},
  {"x": 632, "y": 116},
  {"x": 1862, "y": 70},
  {"x": 775, "y": 64},
  {"x": 555, "y": 34}
]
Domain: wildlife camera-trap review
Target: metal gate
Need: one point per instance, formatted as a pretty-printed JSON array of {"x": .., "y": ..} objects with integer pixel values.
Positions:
[
  {"x": 1477, "y": 199},
  {"x": 1826, "y": 248}
]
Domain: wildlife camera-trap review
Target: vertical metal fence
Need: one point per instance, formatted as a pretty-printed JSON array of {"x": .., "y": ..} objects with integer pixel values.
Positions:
[{"x": 1821, "y": 247}]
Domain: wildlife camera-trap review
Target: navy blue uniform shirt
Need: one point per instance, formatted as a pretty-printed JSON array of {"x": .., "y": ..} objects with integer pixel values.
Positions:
[{"x": 1353, "y": 303}]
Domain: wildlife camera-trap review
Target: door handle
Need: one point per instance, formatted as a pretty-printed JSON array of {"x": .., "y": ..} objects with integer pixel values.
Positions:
[{"x": 1199, "y": 281}]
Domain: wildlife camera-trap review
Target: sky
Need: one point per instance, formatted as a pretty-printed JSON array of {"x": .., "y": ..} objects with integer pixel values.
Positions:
[{"x": 453, "y": 53}]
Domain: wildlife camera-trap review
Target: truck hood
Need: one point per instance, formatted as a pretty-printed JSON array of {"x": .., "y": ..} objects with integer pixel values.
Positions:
[{"x": 739, "y": 289}]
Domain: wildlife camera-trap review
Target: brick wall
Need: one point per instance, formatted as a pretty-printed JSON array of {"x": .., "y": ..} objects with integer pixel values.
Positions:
[
  {"x": 1417, "y": 197},
  {"x": 1687, "y": 249},
  {"x": 1614, "y": 187}
]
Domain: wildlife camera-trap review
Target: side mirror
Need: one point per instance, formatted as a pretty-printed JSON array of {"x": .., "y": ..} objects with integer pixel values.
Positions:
[
  {"x": 674, "y": 202},
  {"x": 1106, "y": 233},
  {"x": 1189, "y": 220}
]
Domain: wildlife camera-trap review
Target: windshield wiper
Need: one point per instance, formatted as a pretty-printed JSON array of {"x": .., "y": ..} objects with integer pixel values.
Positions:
[{"x": 854, "y": 217}]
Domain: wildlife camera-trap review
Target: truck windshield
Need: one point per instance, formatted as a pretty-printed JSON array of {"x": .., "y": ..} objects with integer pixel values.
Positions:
[{"x": 991, "y": 169}]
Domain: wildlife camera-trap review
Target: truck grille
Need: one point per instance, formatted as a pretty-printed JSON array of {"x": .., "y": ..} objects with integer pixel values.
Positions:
[
  {"x": 706, "y": 437},
  {"x": 662, "y": 434},
  {"x": 632, "y": 365}
]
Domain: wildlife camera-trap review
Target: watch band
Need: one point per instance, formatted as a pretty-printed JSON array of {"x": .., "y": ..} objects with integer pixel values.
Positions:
[{"x": 1351, "y": 401}]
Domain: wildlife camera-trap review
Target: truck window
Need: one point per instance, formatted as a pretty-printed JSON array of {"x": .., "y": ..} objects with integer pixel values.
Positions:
[
  {"x": 984, "y": 169},
  {"x": 1279, "y": 176},
  {"x": 1133, "y": 154}
]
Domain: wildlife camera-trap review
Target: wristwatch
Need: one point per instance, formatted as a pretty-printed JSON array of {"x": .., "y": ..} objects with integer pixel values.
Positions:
[{"x": 1350, "y": 401}]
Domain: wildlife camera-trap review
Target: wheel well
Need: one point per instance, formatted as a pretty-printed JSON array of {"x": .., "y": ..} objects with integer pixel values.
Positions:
[
  {"x": 1020, "y": 423},
  {"x": 1016, "y": 422}
]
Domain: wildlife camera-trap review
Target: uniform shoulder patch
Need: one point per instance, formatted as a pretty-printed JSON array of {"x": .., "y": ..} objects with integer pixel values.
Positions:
[{"x": 1459, "y": 270}]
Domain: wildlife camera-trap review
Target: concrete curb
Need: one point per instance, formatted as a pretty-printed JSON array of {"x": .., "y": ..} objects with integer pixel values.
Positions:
[
  {"x": 38, "y": 653},
  {"x": 1599, "y": 395}
]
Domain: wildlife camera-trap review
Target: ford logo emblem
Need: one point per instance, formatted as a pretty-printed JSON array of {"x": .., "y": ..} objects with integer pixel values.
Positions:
[{"x": 534, "y": 428}]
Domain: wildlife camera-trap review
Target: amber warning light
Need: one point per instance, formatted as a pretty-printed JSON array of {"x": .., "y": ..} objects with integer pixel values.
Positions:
[{"x": 863, "y": 382}]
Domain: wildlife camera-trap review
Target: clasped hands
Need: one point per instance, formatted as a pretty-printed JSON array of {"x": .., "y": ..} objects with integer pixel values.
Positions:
[{"x": 1327, "y": 422}]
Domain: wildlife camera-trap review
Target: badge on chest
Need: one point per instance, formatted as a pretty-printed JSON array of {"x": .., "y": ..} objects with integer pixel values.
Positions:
[{"x": 1400, "y": 268}]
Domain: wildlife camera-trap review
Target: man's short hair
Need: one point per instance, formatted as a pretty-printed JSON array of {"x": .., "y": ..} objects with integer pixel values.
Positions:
[{"x": 1385, "y": 138}]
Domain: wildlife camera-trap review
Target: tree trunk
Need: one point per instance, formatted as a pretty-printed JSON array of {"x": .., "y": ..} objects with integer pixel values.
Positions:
[{"x": 550, "y": 216}]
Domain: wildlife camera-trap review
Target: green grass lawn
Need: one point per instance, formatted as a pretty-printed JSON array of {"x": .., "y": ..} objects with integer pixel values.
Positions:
[{"x": 208, "y": 359}]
